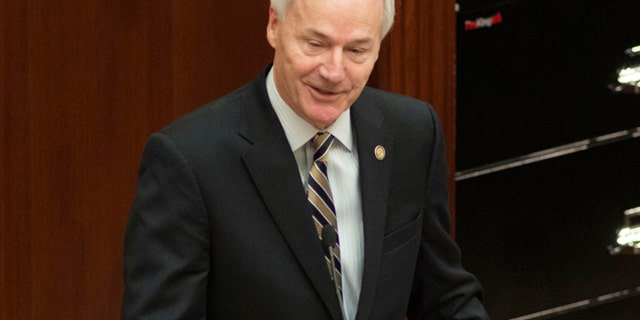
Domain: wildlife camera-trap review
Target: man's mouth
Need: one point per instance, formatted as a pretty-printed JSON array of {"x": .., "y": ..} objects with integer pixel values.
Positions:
[{"x": 324, "y": 92}]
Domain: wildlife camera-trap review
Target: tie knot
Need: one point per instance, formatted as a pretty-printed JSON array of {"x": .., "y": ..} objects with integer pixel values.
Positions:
[{"x": 321, "y": 144}]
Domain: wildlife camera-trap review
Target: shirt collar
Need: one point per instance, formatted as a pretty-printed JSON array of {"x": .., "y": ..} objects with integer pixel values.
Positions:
[{"x": 299, "y": 131}]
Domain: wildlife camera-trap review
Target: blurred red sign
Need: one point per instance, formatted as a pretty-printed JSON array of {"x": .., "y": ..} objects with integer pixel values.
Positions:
[{"x": 483, "y": 22}]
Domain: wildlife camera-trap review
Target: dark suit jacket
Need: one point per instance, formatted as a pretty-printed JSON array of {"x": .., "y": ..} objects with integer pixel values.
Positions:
[{"x": 221, "y": 229}]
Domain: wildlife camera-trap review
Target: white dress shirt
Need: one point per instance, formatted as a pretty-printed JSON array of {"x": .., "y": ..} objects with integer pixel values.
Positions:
[{"x": 342, "y": 168}]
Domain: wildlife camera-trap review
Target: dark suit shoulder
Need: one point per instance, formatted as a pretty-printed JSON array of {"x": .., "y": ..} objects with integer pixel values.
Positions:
[
  {"x": 392, "y": 98},
  {"x": 218, "y": 115},
  {"x": 221, "y": 120},
  {"x": 399, "y": 111}
]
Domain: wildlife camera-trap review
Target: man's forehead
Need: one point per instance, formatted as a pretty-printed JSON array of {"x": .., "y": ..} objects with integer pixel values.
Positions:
[{"x": 320, "y": 18}]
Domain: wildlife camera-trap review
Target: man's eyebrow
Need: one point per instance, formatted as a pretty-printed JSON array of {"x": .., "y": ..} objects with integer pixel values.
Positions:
[
  {"x": 363, "y": 41},
  {"x": 317, "y": 33}
]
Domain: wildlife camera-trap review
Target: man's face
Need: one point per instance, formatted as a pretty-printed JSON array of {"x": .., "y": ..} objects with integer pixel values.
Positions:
[{"x": 325, "y": 51}]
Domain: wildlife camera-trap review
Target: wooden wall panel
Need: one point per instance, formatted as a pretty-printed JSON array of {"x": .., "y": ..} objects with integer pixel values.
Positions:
[
  {"x": 418, "y": 59},
  {"x": 11, "y": 88},
  {"x": 83, "y": 84},
  {"x": 218, "y": 46}
]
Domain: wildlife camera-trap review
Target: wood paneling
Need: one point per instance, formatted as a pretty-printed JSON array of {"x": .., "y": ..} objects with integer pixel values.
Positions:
[
  {"x": 418, "y": 59},
  {"x": 83, "y": 85}
]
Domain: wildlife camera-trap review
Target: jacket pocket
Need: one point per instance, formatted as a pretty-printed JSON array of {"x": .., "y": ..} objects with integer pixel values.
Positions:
[{"x": 403, "y": 235}]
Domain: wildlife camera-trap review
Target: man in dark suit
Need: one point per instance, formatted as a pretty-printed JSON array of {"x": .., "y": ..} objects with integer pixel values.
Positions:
[{"x": 223, "y": 227}]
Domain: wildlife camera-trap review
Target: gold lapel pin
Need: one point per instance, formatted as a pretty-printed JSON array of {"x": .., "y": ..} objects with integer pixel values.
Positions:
[{"x": 380, "y": 152}]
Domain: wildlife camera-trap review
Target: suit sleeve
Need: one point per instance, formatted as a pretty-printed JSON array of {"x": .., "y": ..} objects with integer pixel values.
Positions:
[
  {"x": 166, "y": 249},
  {"x": 442, "y": 289}
]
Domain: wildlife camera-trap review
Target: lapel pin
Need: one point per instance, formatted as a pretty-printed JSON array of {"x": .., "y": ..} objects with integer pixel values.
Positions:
[{"x": 380, "y": 152}]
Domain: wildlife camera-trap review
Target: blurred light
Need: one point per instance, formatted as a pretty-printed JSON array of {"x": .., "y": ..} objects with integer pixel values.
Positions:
[
  {"x": 629, "y": 75},
  {"x": 633, "y": 51},
  {"x": 629, "y": 235}
]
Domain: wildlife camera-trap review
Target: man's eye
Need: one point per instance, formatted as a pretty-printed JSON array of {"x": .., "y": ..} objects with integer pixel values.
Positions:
[{"x": 359, "y": 52}]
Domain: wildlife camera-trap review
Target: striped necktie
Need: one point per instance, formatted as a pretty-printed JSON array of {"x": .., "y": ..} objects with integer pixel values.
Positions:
[{"x": 321, "y": 199}]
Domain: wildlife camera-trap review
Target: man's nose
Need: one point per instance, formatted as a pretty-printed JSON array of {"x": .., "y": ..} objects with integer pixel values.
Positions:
[{"x": 333, "y": 67}]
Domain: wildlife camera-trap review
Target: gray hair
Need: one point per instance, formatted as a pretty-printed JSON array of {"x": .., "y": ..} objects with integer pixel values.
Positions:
[{"x": 281, "y": 7}]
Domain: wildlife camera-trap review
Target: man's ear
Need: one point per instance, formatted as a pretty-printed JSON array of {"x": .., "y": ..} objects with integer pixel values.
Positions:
[{"x": 272, "y": 27}]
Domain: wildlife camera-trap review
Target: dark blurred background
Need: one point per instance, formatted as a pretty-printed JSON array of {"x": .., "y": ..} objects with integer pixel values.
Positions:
[{"x": 537, "y": 235}]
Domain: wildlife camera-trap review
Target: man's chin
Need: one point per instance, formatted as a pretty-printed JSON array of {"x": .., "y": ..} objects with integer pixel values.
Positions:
[{"x": 322, "y": 120}]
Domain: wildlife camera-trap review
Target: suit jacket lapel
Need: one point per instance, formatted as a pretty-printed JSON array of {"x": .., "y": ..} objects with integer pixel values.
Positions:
[
  {"x": 274, "y": 171},
  {"x": 374, "y": 186}
]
